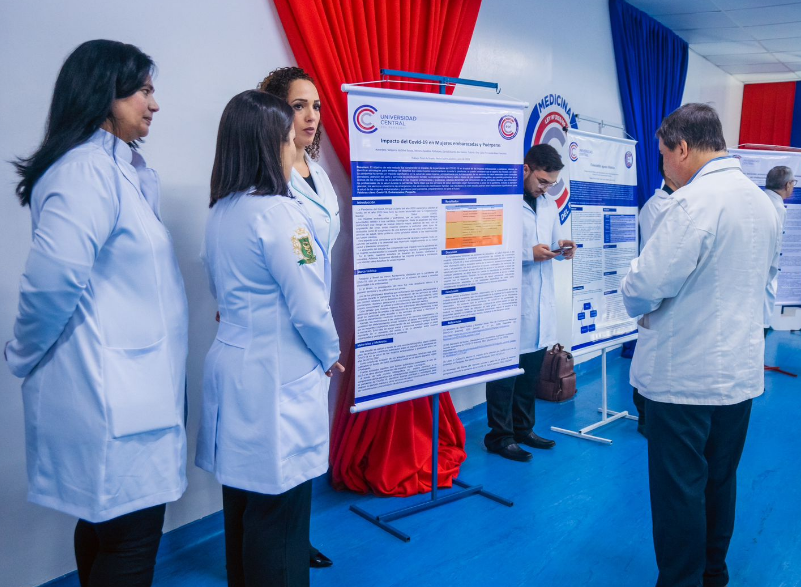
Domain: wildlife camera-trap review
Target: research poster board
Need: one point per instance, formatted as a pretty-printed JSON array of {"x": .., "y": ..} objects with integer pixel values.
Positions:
[
  {"x": 755, "y": 165},
  {"x": 603, "y": 179},
  {"x": 437, "y": 241}
]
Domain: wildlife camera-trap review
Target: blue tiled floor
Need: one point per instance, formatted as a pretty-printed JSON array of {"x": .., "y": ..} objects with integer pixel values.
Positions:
[{"x": 581, "y": 515}]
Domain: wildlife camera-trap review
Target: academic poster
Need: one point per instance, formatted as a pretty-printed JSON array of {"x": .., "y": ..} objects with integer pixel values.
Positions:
[
  {"x": 603, "y": 179},
  {"x": 755, "y": 165},
  {"x": 437, "y": 241}
]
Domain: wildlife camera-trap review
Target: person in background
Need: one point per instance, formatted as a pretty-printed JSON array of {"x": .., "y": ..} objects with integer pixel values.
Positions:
[
  {"x": 101, "y": 332},
  {"x": 309, "y": 180},
  {"x": 700, "y": 285},
  {"x": 779, "y": 185},
  {"x": 510, "y": 401},
  {"x": 264, "y": 427},
  {"x": 649, "y": 216}
]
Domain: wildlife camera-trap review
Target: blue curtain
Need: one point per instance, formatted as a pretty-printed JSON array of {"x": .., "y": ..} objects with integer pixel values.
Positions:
[{"x": 651, "y": 71}]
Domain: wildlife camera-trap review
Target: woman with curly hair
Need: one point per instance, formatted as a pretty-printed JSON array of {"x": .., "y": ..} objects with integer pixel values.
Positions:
[
  {"x": 309, "y": 181},
  {"x": 297, "y": 88}
]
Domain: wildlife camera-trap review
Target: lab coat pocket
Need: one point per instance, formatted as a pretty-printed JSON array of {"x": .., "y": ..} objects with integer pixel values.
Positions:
[
  {"x": 139, "y": 390},
  {"x": 644, "y": 361},
  {"x": 303, "y": 410}
]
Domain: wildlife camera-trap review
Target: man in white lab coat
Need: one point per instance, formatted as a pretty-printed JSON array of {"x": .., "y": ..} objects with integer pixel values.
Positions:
[
  {"x": 779, "y": 185},
  {"x": 700, "y": 285},
  {"x": 510, "y": 401},
  {"x": 650, "y": 215}
]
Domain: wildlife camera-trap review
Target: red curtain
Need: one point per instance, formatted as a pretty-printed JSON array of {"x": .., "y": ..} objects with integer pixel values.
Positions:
[
  {"x": 767, "y": 117},
  {"x": 350, "y": 41},
  {"x": 385, "y": 450}
]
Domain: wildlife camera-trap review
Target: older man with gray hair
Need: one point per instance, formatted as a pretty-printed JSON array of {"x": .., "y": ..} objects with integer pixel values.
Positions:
[
  {"x": 779, "y": 185},
  {"x": 699, "y": 286}
]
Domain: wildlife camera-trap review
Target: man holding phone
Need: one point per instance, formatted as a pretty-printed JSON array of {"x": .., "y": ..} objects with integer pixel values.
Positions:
[{"x": 510, "y": 402}]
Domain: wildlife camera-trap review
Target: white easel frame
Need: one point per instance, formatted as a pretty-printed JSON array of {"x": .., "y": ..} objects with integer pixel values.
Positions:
[{"x": 607, "y": 416}]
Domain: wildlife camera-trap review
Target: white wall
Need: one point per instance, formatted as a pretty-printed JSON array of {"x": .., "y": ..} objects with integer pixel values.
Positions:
[
  {"x": 707, "y": 83},
  {"x": 206, "y": 52},
  {"x": 522, "y": 47},
  {"x": 529, "y": 58}
]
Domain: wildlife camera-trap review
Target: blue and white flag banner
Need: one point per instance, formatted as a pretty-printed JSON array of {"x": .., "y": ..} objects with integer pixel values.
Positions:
[
  {"x": 437, "y": 241},
  {"x": 755, "y": 165},
  {"x": 603, "y": 178}
]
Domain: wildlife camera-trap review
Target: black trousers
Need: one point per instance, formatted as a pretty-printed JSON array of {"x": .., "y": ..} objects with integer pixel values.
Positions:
[
  {"x": 639, "y": 403},
  {"x": 120, "y": 552},
  {"x": 510, "y": 403},
  {"x": 267, "y": 537},
  {"x": 693, "y": 454}
]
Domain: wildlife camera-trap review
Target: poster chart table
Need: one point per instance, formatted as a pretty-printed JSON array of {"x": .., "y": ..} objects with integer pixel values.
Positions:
[
  {"x": 437, "y": 246},
  {"x": 603, "y": 201}
]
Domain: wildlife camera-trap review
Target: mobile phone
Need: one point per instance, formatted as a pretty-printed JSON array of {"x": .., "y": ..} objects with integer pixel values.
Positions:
[{"x": 562, "y": 249}]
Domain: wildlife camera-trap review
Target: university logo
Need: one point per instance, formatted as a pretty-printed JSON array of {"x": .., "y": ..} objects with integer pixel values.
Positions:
[
  {"x": 363, "y": 119},
  {"x": 508, "y": 127},
  {"x": 302, "y": 245},
  {"x": 549, "y": 119},
  {"x": 629, "y": 159},
  {"x": 573, "y": 151}
]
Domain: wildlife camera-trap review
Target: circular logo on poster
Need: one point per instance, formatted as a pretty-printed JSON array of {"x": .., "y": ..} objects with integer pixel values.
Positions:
[
  {"x": 549, "y": 119},
  {"x": 629, "y": 159},
  {"x": 573, "y": 150},
  {"x": 508, "y": 127},
  {"x": 363, "y": 119}
]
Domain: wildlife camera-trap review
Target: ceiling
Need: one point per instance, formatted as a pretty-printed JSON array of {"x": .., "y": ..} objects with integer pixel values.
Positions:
[{"x": 753, "y": 40}]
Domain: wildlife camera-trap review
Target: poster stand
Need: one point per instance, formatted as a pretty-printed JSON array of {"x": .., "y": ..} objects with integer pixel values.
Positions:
[
  {"x": 383, "y": 520},
  {"x": 607, "y": 416}
]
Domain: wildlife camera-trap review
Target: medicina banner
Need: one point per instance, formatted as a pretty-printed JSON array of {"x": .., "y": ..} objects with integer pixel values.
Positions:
[
  {"x": 756, "y": 165},
  {"x": 437, "y": 241},
  {"x": 603, "y": 178}
]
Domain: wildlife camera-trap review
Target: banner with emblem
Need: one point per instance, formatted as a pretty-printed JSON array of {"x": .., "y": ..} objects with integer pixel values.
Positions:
[
  {"x": 603, "y": 179},
  {"x": 550, "y": 120},
  {"x": 755, "y": 165},
  {"x": 437, "y": 241}
]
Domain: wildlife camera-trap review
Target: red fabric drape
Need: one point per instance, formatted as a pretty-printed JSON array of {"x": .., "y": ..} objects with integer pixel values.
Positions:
[
  {"x": 767, "y": 117},
  {"x": 350, "y": 41},
  {"x": 385, "y": 450}
]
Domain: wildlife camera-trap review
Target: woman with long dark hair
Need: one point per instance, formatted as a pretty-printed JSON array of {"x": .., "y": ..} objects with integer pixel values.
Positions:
[
  {"x": 309, "y": 180},
  {"x": 101, "y": 332},
  {"x": 264, "y": 428}
]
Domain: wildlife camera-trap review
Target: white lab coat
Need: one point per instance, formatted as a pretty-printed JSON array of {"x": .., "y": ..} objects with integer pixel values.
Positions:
[
  {"x": 700, "y": 286},
  {"x": 651, "y": 213},
  {"x": 770, "y": 299},
  {"x": 264, "y": 426},
  {"x": 322, "y": 206},
  {"x": 101, "y": 338},
  {"x": 538, "y": 291}
]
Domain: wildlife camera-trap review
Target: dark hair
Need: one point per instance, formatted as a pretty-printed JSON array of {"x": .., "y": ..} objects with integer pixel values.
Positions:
[
  {"x": 698, "y": 124},
  {"x": 543, "y": 157},
  {"x": 778, "y": 177},
  {"x": 93, "y": 76},
  {"x": 277, "y": 83},
  {"x": 253, "y": 127}
]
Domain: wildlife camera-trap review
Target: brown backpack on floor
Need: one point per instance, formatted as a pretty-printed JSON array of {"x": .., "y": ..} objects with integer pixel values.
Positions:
[{"x": 557, "y": 378}]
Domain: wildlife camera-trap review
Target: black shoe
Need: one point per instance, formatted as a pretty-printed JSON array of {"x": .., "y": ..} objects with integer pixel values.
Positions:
[
  {"x": 512, "y": 452},
  {"x": 320, "y": 561},
  {"x": 535, "y": 441}
]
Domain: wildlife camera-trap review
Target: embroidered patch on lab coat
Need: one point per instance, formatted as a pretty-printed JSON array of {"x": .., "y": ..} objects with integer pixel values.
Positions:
[{"x": 302, "y": 244}]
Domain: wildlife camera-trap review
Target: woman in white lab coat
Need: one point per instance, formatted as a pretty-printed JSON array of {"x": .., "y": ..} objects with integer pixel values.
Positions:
[
  {"x": 264, "y": 428},
  {"x": 101, "y": 332},
  {"x": 309, "y": 181}
]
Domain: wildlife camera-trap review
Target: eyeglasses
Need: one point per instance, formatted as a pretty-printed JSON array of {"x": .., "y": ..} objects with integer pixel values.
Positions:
[
  {"x": 793, "y": 183},
  {"x": 544, "y": 183}
]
